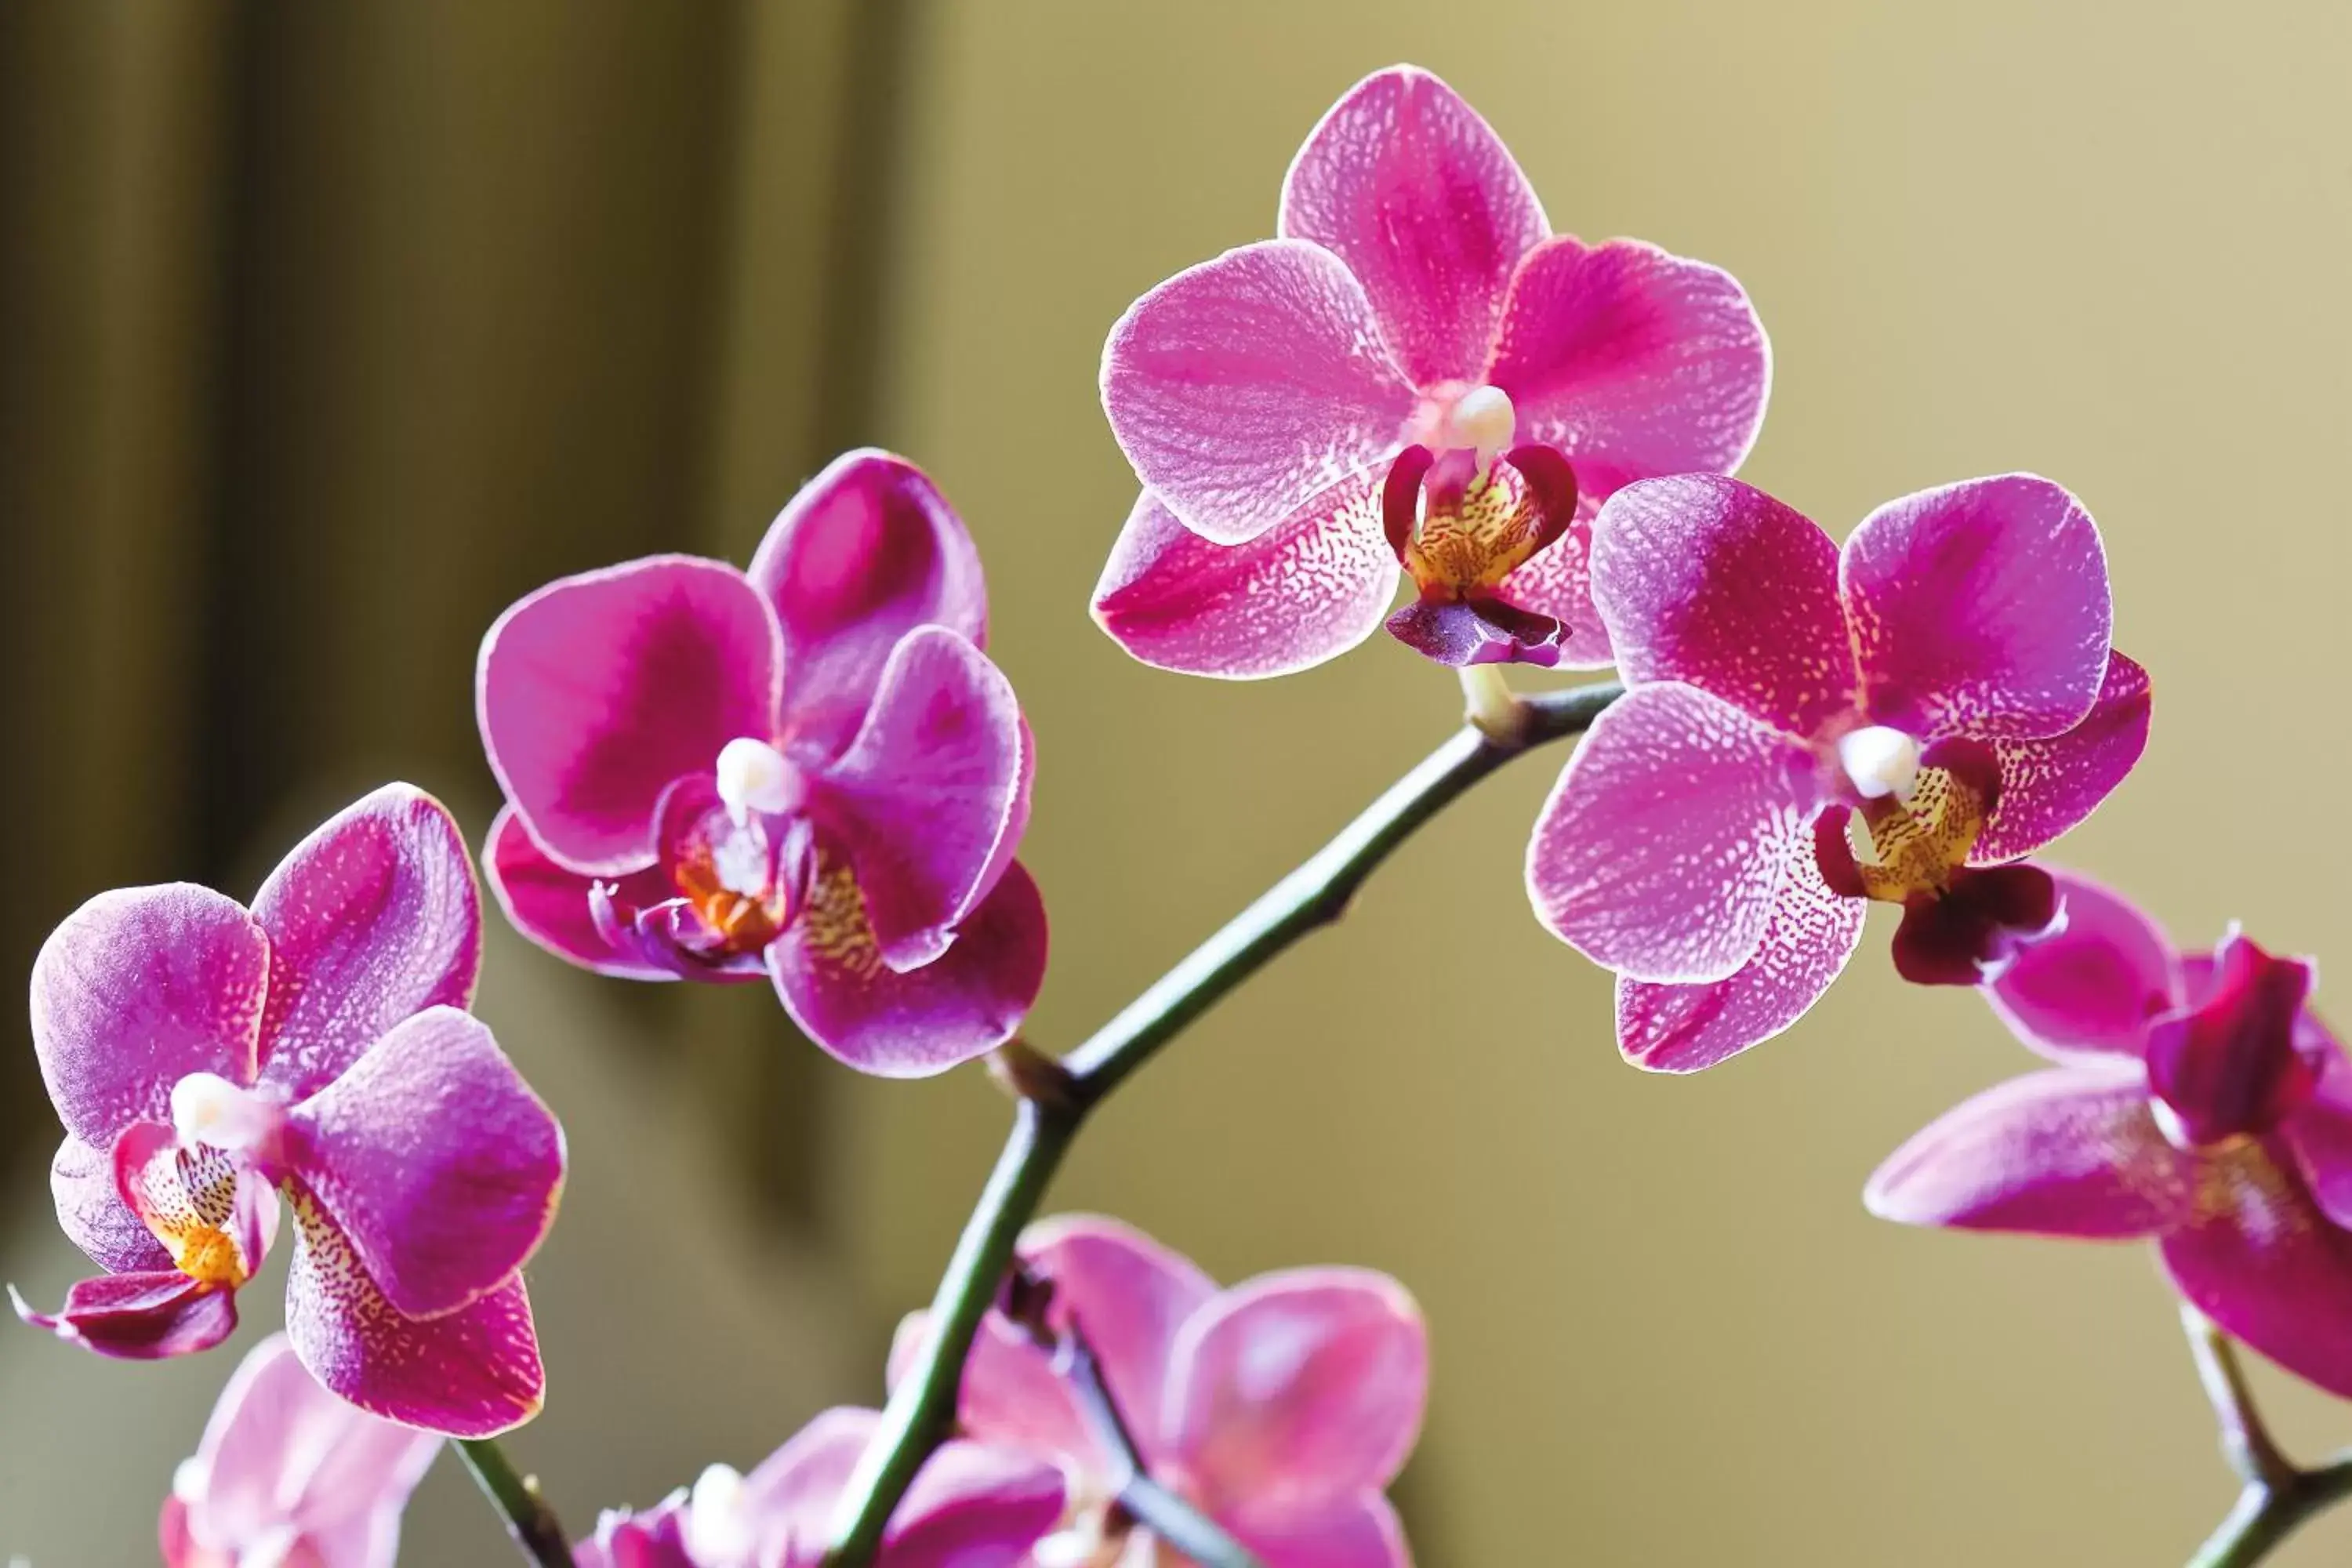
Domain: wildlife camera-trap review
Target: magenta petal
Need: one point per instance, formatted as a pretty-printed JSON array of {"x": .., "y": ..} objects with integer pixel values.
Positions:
[
  {"x": 2070, "y": 1152},
  {"x": 371, "y": 918},
  {"x": 2264, "y": 1263},
  {"x": 2234, "y": 1064},
  {"x": 975, "y": 1507},
  {"x": 93, "y": 1215},
  {"x": 2320, "y": 1133},
  {"x": 1662, "y": 850},
  {"x": 830, "y": 973},
  {"x": 434, "y": 1160},
  {"x": 1634, "y": 362},
  {"x": 789, "y": 1497},
  {"x": 1243, "y": 387},
  {"x": 138, "y": 1317},
  {"x": 1704, "y": 580},
  {"x": 1307, "y": 590},
  {"x": 930, "y": 800},
  {"x": 137, "y": 988},
  {"x": 1980, "y": 608},
  {"x": 2095, "y": 984},
  {"x": 597, "y": 690},
  {"x": 1806, "y": 943},
  {"x": 1129, "y": 1297},
  {"x": 866, "y": 553},
  {"x": 1300, "y": 1386},
  {"x": 1557, "y": 582},
  {"x": 1411, "y": 188},
  {"x": 474, "y": 1373},
  {"x": 550, "y": 905},
  {"x": 1361, "y": 1531},
  {"x": 2049, "y": 786},
  {"x": 1458, "y": 633},
  {"x": 1011, "y": 1392}
]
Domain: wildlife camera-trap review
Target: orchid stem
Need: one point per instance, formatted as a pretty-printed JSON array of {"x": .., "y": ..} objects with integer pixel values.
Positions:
[
  {"x": 537, "y": 1533},
  {"x": 921, "y": 1411},
  {"x": 2278, "y": 1496}
]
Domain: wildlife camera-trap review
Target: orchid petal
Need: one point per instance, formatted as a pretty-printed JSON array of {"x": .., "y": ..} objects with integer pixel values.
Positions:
[
  {"x": 828, "y": 968},
  {"x": 1010, "y": 1393},
  {"x": 1458, "y": 633},
  {"x": 1408, "y": 186},
  {"x": 2320, "y": 1132},
  {"x": 1361, "y": 1532},
  {"x": 2095, "y": 985},
  {"x": 1980, "y": 608},
  {"x": 138, "y": 1317},
  {"x": 2048, "y": 788},
  {"x": 434, "y": 1160},
  {"x": 1300, "y": 1386},
  {"x": 2068, "y": 1151},
  {"x": 1244, "y": 387},
  {"x": 789, "y": 1497},
  {"x": 1662, "y": 849},
  {"x": 1556, "y": 581},
  {"x": 93, "y": 1215},
  {"x": 2231, "y": 1065},
  {"x": 1634, "y": 362},
  {"x": 866, "y": 553},
  {"x": 975, "y": 1507},
  {"x": 371, "y": 918},
  {"x": 596, "y": 692},
  {"x": 550, "y": 905},
  {"x": 1129, "y": 1297},
  {"x": 139, "y": 988},
  {"x": 2262, "y": 1262},
  {"x": 1307, "y": 590}
]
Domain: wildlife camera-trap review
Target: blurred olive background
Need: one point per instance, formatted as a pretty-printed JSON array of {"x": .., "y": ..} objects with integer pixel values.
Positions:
[{"x": 326, "y": 332}]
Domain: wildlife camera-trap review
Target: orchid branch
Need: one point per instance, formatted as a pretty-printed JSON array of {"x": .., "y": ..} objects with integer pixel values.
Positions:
[
  {"x": 2278, "y": 1496},
  {"x": 1056, "y": 1098},
  {"x": 537, "y": 1533}
]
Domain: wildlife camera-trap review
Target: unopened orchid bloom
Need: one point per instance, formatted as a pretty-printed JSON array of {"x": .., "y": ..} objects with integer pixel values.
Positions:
[
  {"x": 1281, "y": 1408},
  {"x": 287, "y": 1476},
  {"x": 808, "y": 771},
  {"x": 1947, "y": 680},
  {"x": 1418, "y": 372},
  {"x": 213, "y": 1063},
  {"x": 2195, "y": 1100},
  {"x": 972, "y": 1506}
]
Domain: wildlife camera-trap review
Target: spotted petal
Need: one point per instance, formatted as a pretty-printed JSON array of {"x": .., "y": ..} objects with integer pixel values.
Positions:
[
  {"x": 138, "y": 1317},
  {"x": 93, "y": 1214},
  {"x": 2047, "y": 787}
]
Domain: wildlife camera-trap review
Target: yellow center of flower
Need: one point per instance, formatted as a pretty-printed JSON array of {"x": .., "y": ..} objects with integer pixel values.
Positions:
[
  {"x": 1921, "y": 837},
  {"x": 187, "y": 1195}
]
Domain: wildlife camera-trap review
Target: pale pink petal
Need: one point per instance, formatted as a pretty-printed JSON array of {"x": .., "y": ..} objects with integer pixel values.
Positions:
[
  {"x": 436, "y": 1160},
  {"x": 1980, "y": 608},
  {"x": 1307, "y": 590},
  {"x": 474, "y": 1373},
  {"x": 928, "y": 803},
  {"x": 371, "y": 918},
  {"x": 2070, "y": 1152},
  {"x": 2049, "y": 786},
  {"x": 2095, "y": 984},
  {"x": 1301, "y": 1387},
  {"x": 1557, "y": 582},
  {"x": 93, "y": 1215},
  {"x": 1411, "y": 188},
  {"x": 828, "y": 969},
  {"x": 975, "y": 1507},
  {"x": 138, "y": 1317},
  {"x": 549, "y": 904},
  {"x": 1130, "y": 1298},
  {"x": 1704, "y": 580},
  {"x": 596, "y": 691},
  {"x": 1634, "y": 362},
  {"x": 1241, "y": 388},
  {"x": 1662, "y": 850},
  {"x": 1806, "y": 943},
  {"x": 137, "y": 988},
  {"x": 2263, "y": 1261},
  {"x": 1361, "y": 1531},
  {"x": 866, "y": 553},
  {"x": 1011, "y": 1392},
  {"x": 789, "y": 1497}
]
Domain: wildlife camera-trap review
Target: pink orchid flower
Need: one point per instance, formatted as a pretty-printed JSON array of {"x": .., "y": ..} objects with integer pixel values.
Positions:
[
  {"x": 289, "y": 1474},
  {"x": 207, "y": 1058},
  {"x": 1947, "y": 676},
  {"x": 1417, "y": 373},
  {"x": 971, "y": 1507},
  {"x": 809, "y": 771},
  {"x": 1281, "y": 1408},
  {"x": 2195, "y": 1100}
]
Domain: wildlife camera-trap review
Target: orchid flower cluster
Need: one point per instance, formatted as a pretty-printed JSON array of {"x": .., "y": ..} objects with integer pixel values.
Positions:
[{"x": 810, "y": 773}]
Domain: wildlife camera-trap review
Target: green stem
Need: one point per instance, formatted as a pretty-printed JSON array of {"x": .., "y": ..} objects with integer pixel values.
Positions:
[
  {"x": 2279, "y": 1497},
  {"x": 537, "y": 1533},
  {"x": 1055, "y": 1104}
]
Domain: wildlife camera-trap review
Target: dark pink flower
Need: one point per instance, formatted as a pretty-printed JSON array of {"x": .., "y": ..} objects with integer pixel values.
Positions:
[
  {"x": 1946, "y": 678},
  {"x": 1284, "y": 404},
  {"x": 1282, "y": 1408},
  {"x": 2195, "y": 1100},
  {"x": 971, "y": 1507},
  {"x": 288, "y": 1473},
  {"x": 207, "y": 1061},
  {"x": 810, "y": 771}
]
